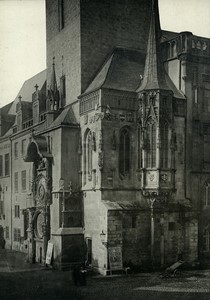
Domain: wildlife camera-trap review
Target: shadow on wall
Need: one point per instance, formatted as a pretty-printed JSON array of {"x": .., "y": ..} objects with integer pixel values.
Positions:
[{"x": 71, "y": 255}]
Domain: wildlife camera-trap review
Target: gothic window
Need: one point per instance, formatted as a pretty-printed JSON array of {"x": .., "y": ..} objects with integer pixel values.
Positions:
[
  {"x": 164, "y": 146},
  {"x": 151, "y": 146},
  {"x": 89, "y": 155},
  {"x": 139, "y": 148},
  {"x": 206, "y": 239},
  {"x": 124, "y": 152}
]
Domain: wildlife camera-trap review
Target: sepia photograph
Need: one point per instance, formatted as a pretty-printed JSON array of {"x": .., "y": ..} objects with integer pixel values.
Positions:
[{"x": 105, "y": 149}]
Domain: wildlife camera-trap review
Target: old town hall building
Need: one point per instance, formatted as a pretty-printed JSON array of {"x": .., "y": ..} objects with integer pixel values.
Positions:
[{"x": 105, "y": 155}]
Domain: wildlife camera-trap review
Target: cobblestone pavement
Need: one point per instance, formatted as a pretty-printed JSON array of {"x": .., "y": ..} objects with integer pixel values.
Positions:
[{"x": 19, "y": 280}]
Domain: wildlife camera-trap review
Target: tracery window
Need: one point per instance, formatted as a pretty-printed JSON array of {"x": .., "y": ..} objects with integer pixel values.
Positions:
[
  {"x": 164, "y": 146},
  {"x": 139, "y": 148},
  {"x": 89, "y": 155},
  {"x": 151, "y": 145},
  {"x": 124, "y": 152}
]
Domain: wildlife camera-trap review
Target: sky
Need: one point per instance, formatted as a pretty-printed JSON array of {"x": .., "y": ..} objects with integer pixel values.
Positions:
[{"x": 22, "y": 36}]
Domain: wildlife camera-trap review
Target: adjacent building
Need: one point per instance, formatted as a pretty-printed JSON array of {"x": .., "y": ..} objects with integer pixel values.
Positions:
[{"x": 106, "y": 153}]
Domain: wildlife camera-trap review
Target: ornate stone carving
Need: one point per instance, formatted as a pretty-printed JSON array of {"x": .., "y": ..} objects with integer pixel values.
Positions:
[
  {"x": 164, "y": 177},
  {"x": 85, "y": 119},
  {"x": 151, "y": 177},
  {"x": 100, "y": 142},
  {"x": 93, "y": 141},
  {"x": 101, "y": 160}
]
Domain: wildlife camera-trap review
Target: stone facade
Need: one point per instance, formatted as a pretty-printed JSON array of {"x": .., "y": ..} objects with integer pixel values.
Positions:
[{"x": 109, "y": 152}]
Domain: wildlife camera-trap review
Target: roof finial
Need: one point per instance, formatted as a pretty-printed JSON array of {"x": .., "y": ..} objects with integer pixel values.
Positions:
[
  {"x": 20, "y": 97},
  {"x": 53, "y": 61},
  {"x": 36, "y": 87}
]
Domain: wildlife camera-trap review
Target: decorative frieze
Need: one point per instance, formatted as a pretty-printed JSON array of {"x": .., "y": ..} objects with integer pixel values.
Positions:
[{"x": 106, "y": 114}]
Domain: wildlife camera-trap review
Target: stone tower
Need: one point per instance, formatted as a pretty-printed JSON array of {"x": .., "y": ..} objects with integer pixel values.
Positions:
[{"x": 82, "y": 34}]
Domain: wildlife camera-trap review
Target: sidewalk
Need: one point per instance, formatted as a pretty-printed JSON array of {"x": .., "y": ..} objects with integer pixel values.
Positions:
[{"x": 13, "y": 261}]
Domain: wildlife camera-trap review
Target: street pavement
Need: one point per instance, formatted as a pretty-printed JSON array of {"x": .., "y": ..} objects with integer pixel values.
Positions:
[{"x": 20, "y": 280}]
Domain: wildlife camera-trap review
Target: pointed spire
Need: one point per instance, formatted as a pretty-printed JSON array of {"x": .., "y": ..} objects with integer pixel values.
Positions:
[
  {"x": 154, "y": 74},
  {"x": 53, "y": 93},
  {"x": 53, "y": 83}
]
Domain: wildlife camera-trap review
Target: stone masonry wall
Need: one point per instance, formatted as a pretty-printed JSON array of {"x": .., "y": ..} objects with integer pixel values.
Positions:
[{"x": 108, "y": 24}]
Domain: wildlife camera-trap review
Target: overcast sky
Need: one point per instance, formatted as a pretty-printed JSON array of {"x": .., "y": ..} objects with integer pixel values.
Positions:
[{"x": 22, "y": 36}]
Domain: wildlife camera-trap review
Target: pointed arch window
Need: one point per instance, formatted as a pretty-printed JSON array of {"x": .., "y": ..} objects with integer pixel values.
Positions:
[
  {"x": 164, "y": 146},
  {"x": 151, "y": 145},
  {"x": 124, "y": 152},
  {"x": 139, "y": 148},
  {"x": 89, "y": 155}
]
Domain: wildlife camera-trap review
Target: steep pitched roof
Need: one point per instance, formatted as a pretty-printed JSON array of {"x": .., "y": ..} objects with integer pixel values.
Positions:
[
  {"x": 155, "y": 76},
  {"x": 27, "y": 89},
  {"x": 66, "y": 117},
  {"x": 121, "y": 71},
  {"x": 154, "y": 73}
]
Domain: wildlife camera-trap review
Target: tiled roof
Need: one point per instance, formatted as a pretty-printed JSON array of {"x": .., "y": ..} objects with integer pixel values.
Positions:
[
  {"x": 121, "y": 71},
  {"x": 66, "y": 117},
  {"x": 28, "y": 89}
]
